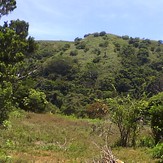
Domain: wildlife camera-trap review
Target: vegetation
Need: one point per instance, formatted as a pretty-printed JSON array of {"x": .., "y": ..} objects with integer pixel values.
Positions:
[
  {"x": 117, "y": 81},
  {"x": 14, "y": 48},
  {"x": 7, "y": 6},
  {"x": 31, "y": 137},
  {"x": 156, "y": 112},
  {"x": 126, "y": 113}
]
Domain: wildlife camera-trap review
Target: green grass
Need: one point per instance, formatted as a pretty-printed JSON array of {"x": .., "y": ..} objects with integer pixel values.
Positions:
[{"x": 55, "y": 138}]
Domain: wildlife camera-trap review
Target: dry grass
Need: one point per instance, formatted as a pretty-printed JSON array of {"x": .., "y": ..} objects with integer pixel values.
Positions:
[{"x": 46, "y": 138}]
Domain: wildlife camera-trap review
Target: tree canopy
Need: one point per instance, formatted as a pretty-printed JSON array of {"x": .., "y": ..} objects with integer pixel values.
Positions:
[
  {"x": 15, "y": 45},
  {"x": 6, "y": 6}
]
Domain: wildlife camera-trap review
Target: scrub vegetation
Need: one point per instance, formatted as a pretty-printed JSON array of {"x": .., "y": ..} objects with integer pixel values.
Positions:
[{"x": 66, "y": 101}]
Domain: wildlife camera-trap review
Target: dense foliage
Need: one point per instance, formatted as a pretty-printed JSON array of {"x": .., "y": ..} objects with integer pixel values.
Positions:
[
  {"x": 15, "y": 47},
  {"x": 6, "y": 6},
  {"x": 99, "y": 66},
  {"x": 155, "y": 107},
  {"x": 100, "y": 75},
  {"x": 126, "y": 113}
]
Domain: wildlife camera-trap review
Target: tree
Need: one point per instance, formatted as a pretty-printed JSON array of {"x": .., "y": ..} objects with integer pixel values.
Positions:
[
  {"x": 20, "y": 27},
  {"x": 102, "y": 33},
  {"x": 96, "y": 34},
  {"x": 89, "y": 76},
  {"x": 143, "y": 55},
  {"x": 35, "y": 101},
  {"x": 6, "y": 6},
  {"x": 155, "y": 107},
  {"x": 126, "y": 113},
  {"x": 11, "y": 57},
  {"x": 59, "y": 66},
  {"x": 125, "y": 37},
  {"x": 73, "y": 104},
  {"x": 14, "y": 46}
]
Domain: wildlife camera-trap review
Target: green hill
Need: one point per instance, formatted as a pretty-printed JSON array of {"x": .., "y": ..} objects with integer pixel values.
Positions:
[
  {"x": 99, "y": 66},
  {"x": 104, "y": 77}
]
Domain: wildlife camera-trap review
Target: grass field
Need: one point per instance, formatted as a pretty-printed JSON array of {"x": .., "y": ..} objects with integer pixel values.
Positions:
[{"x": 47, "y": 138}]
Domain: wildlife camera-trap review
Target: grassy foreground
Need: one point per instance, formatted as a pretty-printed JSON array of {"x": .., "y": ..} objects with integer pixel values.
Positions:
[{"x": 47, "y": 138}]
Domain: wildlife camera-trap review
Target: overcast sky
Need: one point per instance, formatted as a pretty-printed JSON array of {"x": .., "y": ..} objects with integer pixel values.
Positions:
[{"x": 68, "y": 19}]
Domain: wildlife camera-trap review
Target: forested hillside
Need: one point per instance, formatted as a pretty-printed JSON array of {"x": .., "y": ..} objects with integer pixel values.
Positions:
[{"x": 76, "y": 74}]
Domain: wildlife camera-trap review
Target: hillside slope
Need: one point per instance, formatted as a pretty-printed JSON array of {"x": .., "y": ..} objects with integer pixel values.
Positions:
[{"x": 100, "y": 66}]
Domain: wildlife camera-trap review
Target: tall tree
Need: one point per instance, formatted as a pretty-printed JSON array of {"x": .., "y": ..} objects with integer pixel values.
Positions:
[
  {"x": 6, "y": 6},
  {"x": 14, "y": 46}
]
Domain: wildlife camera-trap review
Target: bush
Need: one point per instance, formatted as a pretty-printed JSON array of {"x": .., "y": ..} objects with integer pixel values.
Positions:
[
  {"x": 57, "y": 65},
  {"x": 86, "y": 35},
  {"x": 160, "y": 42},
  {"x": 125, "y": 113},
  {"x": 156, "y": 111},
  {"x": 81, "y": 45},
  {"x": 5, "y": 101},
  {"x": 117, "y": 46},
  {"x": 158, "y": 49},
  {"x": 86, "y": 49},
  {"x": 103, "y": 33},
  {"x": 96, "y": 51},
  {"x": 97, "y": 110},
  {"x": 77, "y": 39},
  {"x": 36, "y": 101},
  {"x": 126, "y": 37},
  {"x": 104, "y": 44},
  {"x": 157, "y": 151},
  {"x": 147, "y": 142},
  {"x": 73, "y": 53},
  {"x": 96, "y": 60},
  {"x": 96, "y": 34},
  {"x": 66, "y": 47},
  {"x": 73, "y": 104}
]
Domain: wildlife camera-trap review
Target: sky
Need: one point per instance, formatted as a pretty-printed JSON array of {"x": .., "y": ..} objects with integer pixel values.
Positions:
[{"x": 68, "y": 19}]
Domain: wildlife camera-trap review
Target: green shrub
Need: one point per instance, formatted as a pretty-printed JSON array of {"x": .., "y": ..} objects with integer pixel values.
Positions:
[
  {"x": 125, "y": 112},
  {"x": 66, "y": 47},
  {"x": 96, "y": 51},
  {"x": 125, "y": 37},
  {"x": 4, "y": 157},
  {"x": 156, "y": 112},
  {"x": 5, "y": 100},
  {"x": 57, "y": 65},
  {"x": 73, "y": 53},
  {"x": 102, "y": 33},
  {"x": 35, "y": 101},
  {"x": 77, "y": 39},
  {"x": 157, "y": 151},
  {"x": 146, "y": 141},
  {"x": 103, "y": 44},
  {"x": 96, "y": 60},
  {"x": 81, "y": 45},
  {"x": 96, "y": 34}
]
